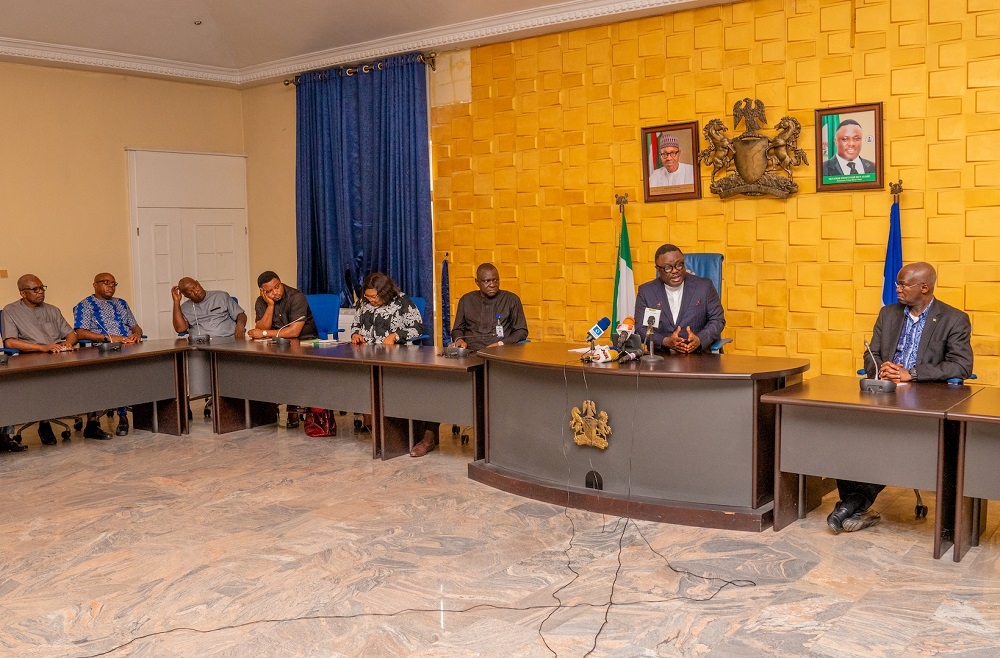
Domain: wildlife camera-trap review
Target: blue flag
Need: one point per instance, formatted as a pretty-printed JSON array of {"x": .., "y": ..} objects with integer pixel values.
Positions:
[
  {"x": 893, "y": 257},
  {"x": 445, "y": 303}
]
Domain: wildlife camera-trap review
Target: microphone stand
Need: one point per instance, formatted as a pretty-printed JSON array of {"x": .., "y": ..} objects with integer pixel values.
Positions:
[
  {"x": 284, "y": 342},
  {"x": 649, "y": 356}
]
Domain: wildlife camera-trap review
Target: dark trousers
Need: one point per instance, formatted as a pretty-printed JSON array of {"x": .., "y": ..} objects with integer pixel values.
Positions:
[{"x": 858, "y": 496}]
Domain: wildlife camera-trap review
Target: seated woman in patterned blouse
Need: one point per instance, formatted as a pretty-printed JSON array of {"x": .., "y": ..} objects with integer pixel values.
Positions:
[{"x": 388, "y": 317}]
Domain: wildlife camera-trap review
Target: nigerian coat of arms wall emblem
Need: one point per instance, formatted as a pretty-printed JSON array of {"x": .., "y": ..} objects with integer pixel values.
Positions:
[{"x": 754, "y": 163}]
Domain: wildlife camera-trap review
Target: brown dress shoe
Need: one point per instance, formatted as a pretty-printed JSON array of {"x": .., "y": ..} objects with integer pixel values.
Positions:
[{"x": 422, "y": 448}]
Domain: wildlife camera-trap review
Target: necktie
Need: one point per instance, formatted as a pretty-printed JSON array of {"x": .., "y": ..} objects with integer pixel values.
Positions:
[{"x": 850, "y": 165}]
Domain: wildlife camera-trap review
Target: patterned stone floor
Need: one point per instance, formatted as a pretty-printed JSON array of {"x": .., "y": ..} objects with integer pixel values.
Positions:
[{"x": 268, "y": 543}]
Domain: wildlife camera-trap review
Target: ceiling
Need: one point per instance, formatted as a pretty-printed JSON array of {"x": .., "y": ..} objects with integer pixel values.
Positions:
[{"x": 248, "y": 42}]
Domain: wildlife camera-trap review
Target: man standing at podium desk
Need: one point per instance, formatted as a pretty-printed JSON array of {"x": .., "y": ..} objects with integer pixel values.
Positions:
[
  {"x": 917, "y": 339},
  {"x": 691, "y": 315}
]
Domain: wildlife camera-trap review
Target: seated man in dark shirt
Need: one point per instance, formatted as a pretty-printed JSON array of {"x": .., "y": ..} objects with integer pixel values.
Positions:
[
  {"x": 489, "y": 316},
  {"x": 282, "y": 308}
]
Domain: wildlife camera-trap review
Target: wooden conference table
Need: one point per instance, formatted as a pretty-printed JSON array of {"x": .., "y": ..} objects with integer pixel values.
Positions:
[
  {"x": 690, "y": 442},
  {"x": 149, "y": 377},
  {"x": 391, "y": 383},
  {"x": 828, "y": 426}
]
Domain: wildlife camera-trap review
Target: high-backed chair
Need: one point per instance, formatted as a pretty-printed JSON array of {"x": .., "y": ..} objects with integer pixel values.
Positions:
[
  {"x": 421, "y": 305},
  {"x": 709, "y": 266},
  {"x": 326, "y": 313}
]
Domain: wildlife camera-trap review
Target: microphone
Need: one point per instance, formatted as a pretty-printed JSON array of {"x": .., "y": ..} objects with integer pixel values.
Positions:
[
  {"x": 197, "y": 335},
  {"x": 631, "y": 349},
  {"x": 651, "y": 318},
  {"x": 601, "y": 354},
  {"x": 626, "y": 328},
  {"x": 598, "y": 329},
  {"x": 877, "y": 385},
  {"x": 284, "y": 342}
]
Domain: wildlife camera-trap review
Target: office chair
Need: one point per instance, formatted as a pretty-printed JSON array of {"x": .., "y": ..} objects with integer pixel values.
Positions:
[
  {"x": 421, "y": 305},
  {"x": 326, "y": 313},
  {"x": 709, "y": 266}
]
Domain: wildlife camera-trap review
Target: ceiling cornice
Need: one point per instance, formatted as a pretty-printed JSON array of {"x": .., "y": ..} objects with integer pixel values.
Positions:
[{"x": 459, "y": 35}]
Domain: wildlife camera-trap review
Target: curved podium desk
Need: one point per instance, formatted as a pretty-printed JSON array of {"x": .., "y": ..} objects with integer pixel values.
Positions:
[{"x": 691, "y": 442}]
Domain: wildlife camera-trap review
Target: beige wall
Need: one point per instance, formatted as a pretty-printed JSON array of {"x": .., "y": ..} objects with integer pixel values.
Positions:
[
  {"x": 63, "y": 180},
  {"x": 269, "y": 133}
]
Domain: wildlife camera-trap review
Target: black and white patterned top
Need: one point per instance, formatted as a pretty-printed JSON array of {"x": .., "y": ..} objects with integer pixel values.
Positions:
[{"x": 399, "y": 316}]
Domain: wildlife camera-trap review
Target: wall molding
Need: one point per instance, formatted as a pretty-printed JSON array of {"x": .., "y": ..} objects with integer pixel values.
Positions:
[{"x": 575, "y": 13}]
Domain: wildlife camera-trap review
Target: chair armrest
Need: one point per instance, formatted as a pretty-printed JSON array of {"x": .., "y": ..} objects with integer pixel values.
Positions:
[{"x": 716, "y": 347}]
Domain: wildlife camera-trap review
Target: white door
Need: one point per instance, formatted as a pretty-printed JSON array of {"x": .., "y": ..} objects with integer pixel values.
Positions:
[{"x": 189, "y": 219}]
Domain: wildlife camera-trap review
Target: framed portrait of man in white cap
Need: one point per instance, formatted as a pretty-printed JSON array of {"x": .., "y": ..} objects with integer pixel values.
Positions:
[{"x": 670, "y": 162}]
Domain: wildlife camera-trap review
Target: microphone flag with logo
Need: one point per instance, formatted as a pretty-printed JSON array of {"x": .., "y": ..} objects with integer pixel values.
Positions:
[
  {"x": 624, "y": 303},
  {"x": 893, "y": 255}
]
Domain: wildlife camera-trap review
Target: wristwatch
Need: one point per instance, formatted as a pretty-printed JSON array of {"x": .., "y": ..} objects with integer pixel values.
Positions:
[
  {"x": 913, "y": 374},
  {"x": 265, "y": 333},
  {"x": 499, "y": 342}
]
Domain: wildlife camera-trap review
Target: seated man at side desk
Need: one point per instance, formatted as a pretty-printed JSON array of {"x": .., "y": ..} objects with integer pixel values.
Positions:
[
  {"x": 691, "y": 315},
  {"x": 917, "y": 339},
  {"x": 489, "y": 316},
  {"x": 31, "y": 325},
  {"x": 275, "y": 309},
  {"x": 104, "y": 318},
  {"x": 213, "y": 311}
]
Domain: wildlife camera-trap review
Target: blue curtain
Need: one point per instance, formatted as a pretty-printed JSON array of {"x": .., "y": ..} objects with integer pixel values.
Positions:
[{"x": 363, "y": 197}]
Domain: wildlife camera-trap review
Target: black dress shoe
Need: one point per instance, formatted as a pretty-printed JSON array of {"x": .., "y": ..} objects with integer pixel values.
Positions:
[
  {"x": 122, "y": 429},
  {"x": 8, "y": 444},
  {"x": 93, "y": 431},
  {"x": 840, "y": 513},
  {"x": 45, "y": 434}
]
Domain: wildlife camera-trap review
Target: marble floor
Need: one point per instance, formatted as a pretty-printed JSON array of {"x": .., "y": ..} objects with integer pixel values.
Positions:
[{"x": 268, "y": 543}]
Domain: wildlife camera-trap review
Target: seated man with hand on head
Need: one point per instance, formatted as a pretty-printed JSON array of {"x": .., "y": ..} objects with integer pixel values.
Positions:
[
  {"x": 691, "y": 315},
  {"x": 275, "y": 309},
  {"x": 215, "y": 312},
  {"x": 104, "y": 318},
  {"x": 917, "y": 339},
  {"x": 488, "y": 316},
  {"x": 31, "y": 325}
]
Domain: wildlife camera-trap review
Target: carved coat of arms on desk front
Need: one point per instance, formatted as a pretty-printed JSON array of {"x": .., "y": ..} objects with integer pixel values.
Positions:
[
  {"x": 754, "y": 164},
  {"x": 590, "y": 428}
]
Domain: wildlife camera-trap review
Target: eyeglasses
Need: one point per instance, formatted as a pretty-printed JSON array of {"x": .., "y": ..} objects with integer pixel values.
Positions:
[
  {"x": 108, "y": 282},
  {"x": 900, "y": 284},
  {"x": 670, "y": 154},
  {"x": 679, "y": 266},
  {"x": 487, "y": 282},
  {"x": 36, "y": 289}
]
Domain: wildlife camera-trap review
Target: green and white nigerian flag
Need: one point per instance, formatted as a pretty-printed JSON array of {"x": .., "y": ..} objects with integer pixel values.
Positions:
[{"x": 624, "y": 280}]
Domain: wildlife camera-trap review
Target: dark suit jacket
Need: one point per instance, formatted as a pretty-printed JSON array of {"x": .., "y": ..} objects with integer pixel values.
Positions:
[
  {"x": 831, "y": 167},
  {"x": 944, "y": 350},
  {"x": 700, "y": 309}
]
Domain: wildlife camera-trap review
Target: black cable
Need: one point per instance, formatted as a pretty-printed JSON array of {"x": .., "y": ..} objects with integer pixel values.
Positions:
[{"x": 724, "y": 583}]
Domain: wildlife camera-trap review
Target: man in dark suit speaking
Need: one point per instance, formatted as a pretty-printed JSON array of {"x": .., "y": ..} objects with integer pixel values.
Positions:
[
  {"x": 691, "y": 315},
  {"x": 848, "y": 161},
  {"x": 917, "y": 339}
]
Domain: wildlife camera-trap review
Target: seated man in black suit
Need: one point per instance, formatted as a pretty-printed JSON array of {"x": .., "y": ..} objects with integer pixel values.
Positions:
[
  {"x": 917, "y": 339},
  {"x": 691, "y": 315}
]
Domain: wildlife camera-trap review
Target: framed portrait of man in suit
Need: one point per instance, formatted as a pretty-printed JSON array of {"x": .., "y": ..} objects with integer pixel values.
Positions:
[
  {"x": 670, "y": 162},
  {"x": 849, "y": 148}
]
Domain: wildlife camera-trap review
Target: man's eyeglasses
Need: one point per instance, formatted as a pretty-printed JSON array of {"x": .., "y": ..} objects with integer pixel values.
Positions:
[
  {"x": 670, "y": 154},
  {"x": 36, "y": 289},
  {"x": 678, "y": 266},
  {"x": 108, "y": 282},
  {"x": 487, "y": 282},
  {"x": 900, "y": 284}
]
